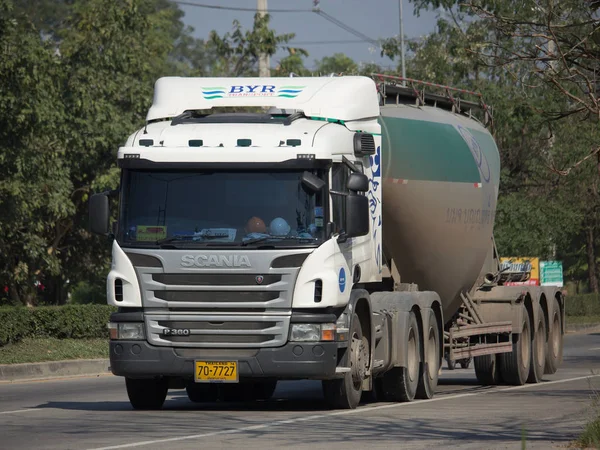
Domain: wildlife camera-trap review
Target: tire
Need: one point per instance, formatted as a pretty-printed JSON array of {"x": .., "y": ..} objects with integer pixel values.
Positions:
[
  {"x": 202, "y": 392},
  {"x": 554, "y": 353},
  {"x": 400, "y": 383},
  {"x": 147, "y": 393},
  {"x": 430, "y": 359},
  {"x": 346, "y": 392},
  {"x": 515, "y": 366},
  {"x": 539, "y": 345},
  {"x": 465, "y": 363},
  {"x": 487, "y": 370}
]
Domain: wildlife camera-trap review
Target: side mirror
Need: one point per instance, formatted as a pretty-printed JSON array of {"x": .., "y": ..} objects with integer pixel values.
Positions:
[
  {"x": 312, "y": 182},
  {"x": 357, "y": 216},
  {"x": 99, "y": 214},
  {"x": 358, "y": 182}
]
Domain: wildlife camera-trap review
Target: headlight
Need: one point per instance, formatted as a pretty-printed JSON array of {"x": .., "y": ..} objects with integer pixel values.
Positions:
[
  {"x": 312, "y": 332},
  {"x": 124, "y": 330}
]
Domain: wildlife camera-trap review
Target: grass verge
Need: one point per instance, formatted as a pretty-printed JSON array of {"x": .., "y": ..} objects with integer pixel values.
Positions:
[
  {"x": 590, "y": 438},
  {"x": 31, "y": 350},
  {"x": 582, "y": 320}
]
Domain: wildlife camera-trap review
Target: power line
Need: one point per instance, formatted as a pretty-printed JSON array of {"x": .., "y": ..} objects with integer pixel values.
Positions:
[
  {"x": 348, "y": 28},
  {"x": 235, "y": 8},
  {"x": 347, "y": 41},
  {"x": 317, "y": 11}
]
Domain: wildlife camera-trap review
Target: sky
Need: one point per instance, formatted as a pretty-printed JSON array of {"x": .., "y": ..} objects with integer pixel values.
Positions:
[{"x": 373, "y": 18}]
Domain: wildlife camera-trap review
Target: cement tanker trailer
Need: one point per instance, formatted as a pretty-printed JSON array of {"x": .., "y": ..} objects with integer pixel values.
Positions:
[{"x": 326, "y": 228}]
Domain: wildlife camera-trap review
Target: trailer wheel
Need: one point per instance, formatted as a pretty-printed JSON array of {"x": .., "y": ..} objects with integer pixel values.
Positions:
[
  {"x": 538, "y": 348},
  {"x": 346, "y": 392},
  {"x": 147, "y": 393},
  {"x": 400, "y": 383},
  {"x": 430, "y": 364},
  {"x": 487, "y": 370},
  {"x": 515, "y": 366},
  {"x": 555, "y": 341}
]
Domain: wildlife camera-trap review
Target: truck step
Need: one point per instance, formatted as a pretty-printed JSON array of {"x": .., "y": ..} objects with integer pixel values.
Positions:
[{"x": 342, "y": 369}]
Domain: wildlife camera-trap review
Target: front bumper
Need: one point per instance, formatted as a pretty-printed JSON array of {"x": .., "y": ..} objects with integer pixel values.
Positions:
[{"x": 294, "y": 360}]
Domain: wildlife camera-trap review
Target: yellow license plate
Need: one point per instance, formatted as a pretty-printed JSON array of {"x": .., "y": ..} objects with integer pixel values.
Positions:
[{"x": 216, "y": 372}]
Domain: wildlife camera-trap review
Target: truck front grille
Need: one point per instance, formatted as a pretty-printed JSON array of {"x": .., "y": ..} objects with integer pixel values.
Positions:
[
  {"x": 217, "y": 296},
  {"x": 217, "y": 331},
  {"x": 219, "y": 292}
]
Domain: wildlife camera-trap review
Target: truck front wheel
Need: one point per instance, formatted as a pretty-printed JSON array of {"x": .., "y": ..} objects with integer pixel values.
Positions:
[
  {"x": 345, "y": 393},
  {"x": 147, "y": 393}
]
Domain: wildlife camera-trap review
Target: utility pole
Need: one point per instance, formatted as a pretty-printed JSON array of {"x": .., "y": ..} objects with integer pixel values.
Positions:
[
  {"x": 402, "y": 43},
  {"x": 264, "y": 62}
]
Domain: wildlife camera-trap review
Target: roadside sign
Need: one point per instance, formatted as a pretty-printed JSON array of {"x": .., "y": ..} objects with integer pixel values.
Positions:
[
  {"x": 522, "y": 264},
  {"x": 551, "y": 273}
]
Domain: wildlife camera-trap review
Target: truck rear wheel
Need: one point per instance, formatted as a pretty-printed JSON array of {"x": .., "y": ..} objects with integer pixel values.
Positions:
[
  {"x": 487, "y": 370},
  {"x": 346, "y": 392},
  {"x": 515, "y": 366},
  {"x": 538, "y": 348},
  {"x": 430, "y": 363},
  {"x": 555, "y": 341},
  {"x": 147, "y": 393},
  {"x": 400, "y": 383}
]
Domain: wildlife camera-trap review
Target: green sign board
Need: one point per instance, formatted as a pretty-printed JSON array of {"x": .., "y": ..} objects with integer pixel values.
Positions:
[{"x": 551, "y": 273}]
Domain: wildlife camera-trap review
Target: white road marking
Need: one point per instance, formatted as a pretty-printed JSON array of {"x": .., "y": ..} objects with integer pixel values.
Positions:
[
  {"x": 339, "y": 413},
  {"x": 595, "y": 348},
  {"x": 22, "y": 410}
]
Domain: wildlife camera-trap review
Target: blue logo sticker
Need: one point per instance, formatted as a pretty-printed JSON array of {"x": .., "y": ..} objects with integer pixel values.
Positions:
[{"x": 342, "y": 279}]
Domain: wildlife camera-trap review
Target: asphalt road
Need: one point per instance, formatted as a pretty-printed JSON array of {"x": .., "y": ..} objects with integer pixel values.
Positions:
[{"x": 94, "y": 413}]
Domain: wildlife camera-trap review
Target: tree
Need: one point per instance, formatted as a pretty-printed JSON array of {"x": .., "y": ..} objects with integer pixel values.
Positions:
[
  {"x": 35, "y": 185},
  {"x": 338, "y": 63},
  {"x": 238, "y": 52}
]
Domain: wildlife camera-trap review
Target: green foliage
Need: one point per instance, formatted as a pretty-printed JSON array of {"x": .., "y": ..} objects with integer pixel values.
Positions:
[
  {"x": 51, "y": 349},
  {"x": 69, "y": 321},
  {"x": 84, "y": 293},
  {"x": 590, "y": 438},
  {"x": 238, "y": 52},
  {"x": 338, "y": 63},
  {"x": 582, "y": 305}
]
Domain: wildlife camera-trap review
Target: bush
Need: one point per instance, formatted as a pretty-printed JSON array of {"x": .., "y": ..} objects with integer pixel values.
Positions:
[
  {"x": 69, "y": 321},
  {"x": 85, "y": 293},
  {"x": 582, "y": 305}
]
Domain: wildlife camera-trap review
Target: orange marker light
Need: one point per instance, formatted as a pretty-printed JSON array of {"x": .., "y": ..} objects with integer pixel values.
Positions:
[{"x": 328, "y": 332}]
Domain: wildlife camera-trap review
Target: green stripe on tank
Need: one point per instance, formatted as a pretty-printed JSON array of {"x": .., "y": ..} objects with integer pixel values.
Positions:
[
  {"x": 428, "y": 151},
  {"x": 490, "y": 151}
]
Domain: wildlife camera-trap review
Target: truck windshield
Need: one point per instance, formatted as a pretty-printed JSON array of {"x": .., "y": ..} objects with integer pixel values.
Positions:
[{"x": 219, "y": 208}]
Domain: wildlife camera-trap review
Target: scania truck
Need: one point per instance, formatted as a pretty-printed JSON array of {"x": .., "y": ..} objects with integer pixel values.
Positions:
[{"x": 324, "y": 228}]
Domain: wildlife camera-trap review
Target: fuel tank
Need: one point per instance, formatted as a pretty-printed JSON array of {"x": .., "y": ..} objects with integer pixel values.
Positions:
[{"x": 441, "y": 174}]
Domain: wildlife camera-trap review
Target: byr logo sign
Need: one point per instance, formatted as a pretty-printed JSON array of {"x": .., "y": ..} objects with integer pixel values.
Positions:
[{"x": 258, "y": 90}]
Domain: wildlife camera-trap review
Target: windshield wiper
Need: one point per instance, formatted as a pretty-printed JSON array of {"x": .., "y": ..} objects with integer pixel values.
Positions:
[
  {"x": 255, "y": 240},
  {"x": 186, "y": 238},
  {"x": 277, "y": 238},
  {"x": 173, "y": 238}
]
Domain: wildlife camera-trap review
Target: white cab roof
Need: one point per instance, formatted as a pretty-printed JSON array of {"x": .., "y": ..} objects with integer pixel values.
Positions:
[{"x": 343, "y": 98}]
